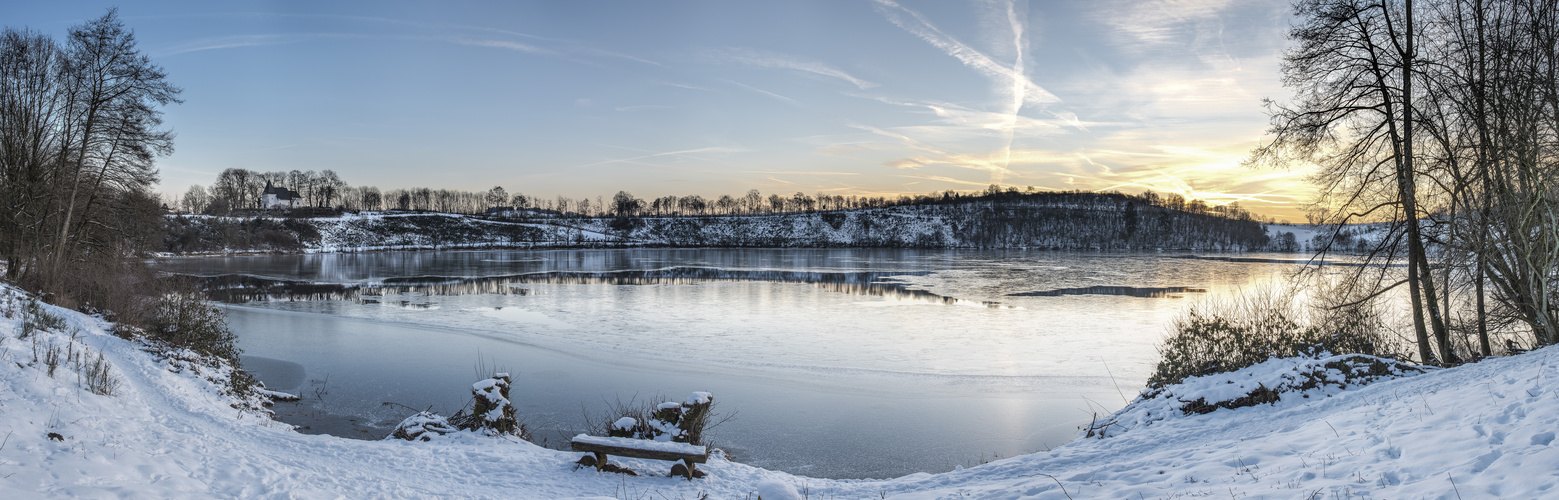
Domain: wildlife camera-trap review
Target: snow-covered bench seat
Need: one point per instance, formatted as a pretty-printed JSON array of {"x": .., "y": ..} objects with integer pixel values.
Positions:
[{"x": 688, "y": 454}]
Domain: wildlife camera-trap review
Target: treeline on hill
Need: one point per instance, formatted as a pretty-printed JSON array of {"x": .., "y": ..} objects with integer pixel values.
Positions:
[
  {"x": 240, "y": 189},
  {"x": 997, "y": 219},
  {"x": 1439, "y": 119},
  {"x": 79, "y": 130}
]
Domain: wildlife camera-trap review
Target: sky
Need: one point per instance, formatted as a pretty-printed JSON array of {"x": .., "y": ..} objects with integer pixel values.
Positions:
[{"x": 854, "y": 97}]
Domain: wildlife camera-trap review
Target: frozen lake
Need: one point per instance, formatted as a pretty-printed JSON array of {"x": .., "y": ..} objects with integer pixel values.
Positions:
[{"x": 840, "y": 363}]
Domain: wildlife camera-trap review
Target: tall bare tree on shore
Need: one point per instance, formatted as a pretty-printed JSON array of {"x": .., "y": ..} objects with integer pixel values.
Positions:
[
  {"x": 1351, "y": 70},
  {"x": 1458, "y": 129},
  {"x": 80, "y": 133}
]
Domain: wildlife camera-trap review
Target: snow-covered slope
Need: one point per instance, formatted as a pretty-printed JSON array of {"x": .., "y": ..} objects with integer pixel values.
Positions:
[
  {"x": 1479, "y": 431},
  {"x": 1081, "y": 222},
  {"x": 1308, "y": 238}
]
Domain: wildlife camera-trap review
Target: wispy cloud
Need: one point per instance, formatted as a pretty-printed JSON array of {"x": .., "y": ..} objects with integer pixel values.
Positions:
[
  {"x": 918, "y": 25},
  {"x": 766, "y": 59},
  {"x": 1019, "y": 85},
  {"x": 641, "y": 107},
  {"x": 503, "y": 44},
  {"x": 1011, "y": 81},
  {"x": 1214, "y": 175},
  {"x": 948, "y": 180},
  {"x": 964, "y": 117},
  {"x": 761, "y": 91},
  {"x": 773, "y": 172},
  {"x": 240, "y": 41},
  {"x": 657, "y": 81},
  {"x": 1142, "y": 25},
  {"x": 684, "y": 152},
  {"x": 401, "y": 29}
]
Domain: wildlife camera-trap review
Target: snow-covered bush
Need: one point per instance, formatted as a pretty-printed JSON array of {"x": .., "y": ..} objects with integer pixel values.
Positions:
[
  {"x": 1268, "y": 382},
  {"x": 492, "y": 414},
  {"x": 683, "y": 422},
  {"x": 422, "y": 427},
  {"x": 185, "y": 319},
  {"x": 626, "y": 427},
  {"x": 247, "y": 392},
  {"x": 1217, "y": 336}
]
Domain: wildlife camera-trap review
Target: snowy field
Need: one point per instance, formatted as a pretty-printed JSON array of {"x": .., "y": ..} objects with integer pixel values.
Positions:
[{"x": 1479, "y": 431}]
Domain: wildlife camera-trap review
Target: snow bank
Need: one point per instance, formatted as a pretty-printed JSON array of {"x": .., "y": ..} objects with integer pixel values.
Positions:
[
  {"x": 1275, "y": 381},
  {"x": 1479, "y": 431}
]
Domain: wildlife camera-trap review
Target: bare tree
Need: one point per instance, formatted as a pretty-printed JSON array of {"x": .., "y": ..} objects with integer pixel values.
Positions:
[
  {"x": 194, "y": 200},
  {"x": 496, "y": 196},
  {"x": 624, "y": 204},
  {"x": 1352, "y": 73},
  {"x": 79, "y": 135}
]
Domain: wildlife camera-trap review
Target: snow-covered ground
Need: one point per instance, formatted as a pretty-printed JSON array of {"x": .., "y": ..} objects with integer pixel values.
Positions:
[
  {"x": 1311, "y": 238},
  {"x": 1478, "y": 431}
]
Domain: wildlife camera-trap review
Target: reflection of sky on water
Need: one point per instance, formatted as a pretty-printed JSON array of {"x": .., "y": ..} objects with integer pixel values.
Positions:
[
  {"x": 804, "y": 307},
  {"x": 812, "y": 346},
  {"x": 1130, "y": 291},
  {"x": 517, "y": 315},
  {"x": 241, "y": 288}
]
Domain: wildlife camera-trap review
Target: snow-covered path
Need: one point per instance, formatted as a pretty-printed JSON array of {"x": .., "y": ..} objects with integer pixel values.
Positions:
[{"x": 1480, "y": 431}]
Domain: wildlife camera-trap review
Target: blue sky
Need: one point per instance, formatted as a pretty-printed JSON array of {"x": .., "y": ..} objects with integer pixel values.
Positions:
[{"x": 585, "y": 98}]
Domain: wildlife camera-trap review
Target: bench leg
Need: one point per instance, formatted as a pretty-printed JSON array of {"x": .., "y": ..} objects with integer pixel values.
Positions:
[
  {"x": 600, "y": 460},
  {"x": 686, "y": 469}
]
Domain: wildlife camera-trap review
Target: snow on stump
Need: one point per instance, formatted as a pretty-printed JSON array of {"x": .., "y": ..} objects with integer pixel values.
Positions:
[
  {"x": 623, "y": 427},
  {"x": 695, "y": 415},
  {"x": 422, "y": 427},
  {"x": 493, "y": 413},
  {"x": 680, "y": 422}
]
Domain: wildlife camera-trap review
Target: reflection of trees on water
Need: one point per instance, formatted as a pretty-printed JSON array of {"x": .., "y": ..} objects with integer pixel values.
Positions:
[
  {"x": 897, "y": 291},
  {"x": 1330, "y": 260},
  {"x": 684, "y": 275},
  {"x": 238, "y": 289},
  {"x": 1147, "y": 292},
  {"x": 877, "y": 284},
  {"x": 246, "y": 288}
]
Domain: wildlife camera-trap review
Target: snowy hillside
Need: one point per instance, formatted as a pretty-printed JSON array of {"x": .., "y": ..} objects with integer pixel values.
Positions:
[
  {"x": 1308, "y": 238},
  {"x": 1080, "y": 222},
  {"x": 1479, "y": 431},
  {"x": 370, "y": 231}
]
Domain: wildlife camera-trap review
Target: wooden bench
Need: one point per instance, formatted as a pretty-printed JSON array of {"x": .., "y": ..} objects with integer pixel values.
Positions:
[{"x": 600, "y": 447}]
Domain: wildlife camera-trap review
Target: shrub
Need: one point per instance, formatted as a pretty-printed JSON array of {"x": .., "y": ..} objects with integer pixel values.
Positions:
[
  {"x": 684, "y": 422},
  {"x": 185, "y": 319},
  {"x": 35, "y": 319},
  {"x": 1222, "y": 335},
  {"x": 97, "y": 379}
]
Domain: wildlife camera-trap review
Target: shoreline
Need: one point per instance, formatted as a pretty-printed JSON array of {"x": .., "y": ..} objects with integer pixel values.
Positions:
[{"x": 167, "y": 434}]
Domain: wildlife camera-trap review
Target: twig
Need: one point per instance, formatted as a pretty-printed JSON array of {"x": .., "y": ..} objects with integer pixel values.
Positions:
[
  {"x": 1453, "y": 485},
  {"x": 1112, "y": 381},
  {"x": 1058, "y": 484}
]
